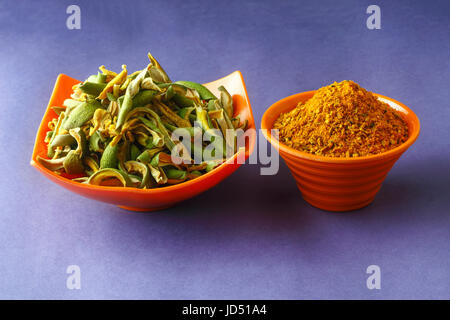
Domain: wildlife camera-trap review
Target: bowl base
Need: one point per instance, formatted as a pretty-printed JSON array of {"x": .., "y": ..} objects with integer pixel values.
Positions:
[
  {"x": 135, "y": 209},
  {"x": 332, "y": 208}
]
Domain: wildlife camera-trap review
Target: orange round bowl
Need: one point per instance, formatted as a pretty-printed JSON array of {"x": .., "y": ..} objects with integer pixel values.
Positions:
[
  {"x": 149, "y": 199},
  {"x": 332, "y": 183}
]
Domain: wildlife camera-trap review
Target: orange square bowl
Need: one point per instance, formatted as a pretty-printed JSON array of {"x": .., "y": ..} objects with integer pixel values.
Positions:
[
  {"x": 338, "y": 184},
  {"x": 149, "y": 199}
]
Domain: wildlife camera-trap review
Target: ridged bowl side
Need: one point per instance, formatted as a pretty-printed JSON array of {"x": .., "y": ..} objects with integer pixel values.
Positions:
[{"x": 338, "y": 187}]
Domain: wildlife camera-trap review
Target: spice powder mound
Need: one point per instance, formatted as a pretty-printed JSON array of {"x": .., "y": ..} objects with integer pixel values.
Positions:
[{"x": 342, "y": 120}]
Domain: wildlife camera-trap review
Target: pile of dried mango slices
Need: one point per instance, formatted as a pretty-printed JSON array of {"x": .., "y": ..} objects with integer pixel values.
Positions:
[{"x": 116, "y": 130}]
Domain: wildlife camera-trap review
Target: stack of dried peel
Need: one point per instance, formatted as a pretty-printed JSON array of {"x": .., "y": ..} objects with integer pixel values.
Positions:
[
  {"x": 342, "y": 120},
  {"x": 118, "y": 129}
]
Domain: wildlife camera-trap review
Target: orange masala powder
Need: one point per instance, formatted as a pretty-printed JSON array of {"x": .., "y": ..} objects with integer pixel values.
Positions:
[{"x": 342, "y": 120}]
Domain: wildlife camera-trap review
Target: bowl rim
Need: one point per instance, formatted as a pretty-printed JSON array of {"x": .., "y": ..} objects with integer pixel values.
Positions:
[
  {"x": 266, "y": 129},
  {"x": 179, "y": 186}
]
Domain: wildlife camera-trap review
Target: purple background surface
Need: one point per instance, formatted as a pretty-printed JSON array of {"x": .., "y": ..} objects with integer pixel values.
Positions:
[{"x": 251, "y": 236}]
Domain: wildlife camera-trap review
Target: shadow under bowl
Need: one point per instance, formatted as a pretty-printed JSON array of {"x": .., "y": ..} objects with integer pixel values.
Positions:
[
  {"x": 332, "y": 183},
  {"x": 158, "y": 198}
]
